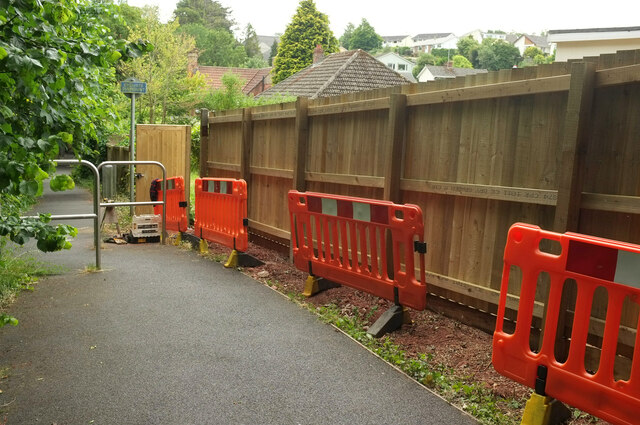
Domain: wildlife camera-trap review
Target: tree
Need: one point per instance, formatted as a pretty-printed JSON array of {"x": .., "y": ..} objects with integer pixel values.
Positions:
[
  {"x": 531, "y": 52},
  {"x": 365, "y": 37},
  {"x": 468, "y": 47},
  {"x": 217, "y": 47},
  {"x": 460, "y": 61},
  {"x": 308, "y": 28},
  {"x": 251, "y": 43},
  {"x": 211, "y": 14},
  {"x": 496, "y": 54},
  {"x": 274, "y": 51},
  {"x": 345, "y": 39},
  {"x": 423, "y": 60},
  {"x": 169, "y": 88},
  {"x": 56, "y": 91}
]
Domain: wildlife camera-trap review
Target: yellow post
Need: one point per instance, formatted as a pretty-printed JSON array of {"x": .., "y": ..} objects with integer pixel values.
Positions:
[
  {"x": 233, "y": 260},
  {"x": 543, "y": 410},
  {"x": 204, "y": 246},
  {"x": 311, "y": 286}
]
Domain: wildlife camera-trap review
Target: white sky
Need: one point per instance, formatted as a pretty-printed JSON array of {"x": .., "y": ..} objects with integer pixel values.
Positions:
[{"x": 411, "y": 17}]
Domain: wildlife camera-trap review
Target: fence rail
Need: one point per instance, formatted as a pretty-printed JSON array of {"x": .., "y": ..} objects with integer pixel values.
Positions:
[{"x": 554, "y": 145}]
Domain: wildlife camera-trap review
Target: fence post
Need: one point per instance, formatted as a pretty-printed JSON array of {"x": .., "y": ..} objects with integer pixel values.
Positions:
[
  {"x": 574, "y": 145},
  {"x": 571, "y": 171},
  {"x": 245, "y": 152},
  {"x": 302, "y": 142},
  {"x": 204, "y": 142},
  {"x": 395, "y": 147}
]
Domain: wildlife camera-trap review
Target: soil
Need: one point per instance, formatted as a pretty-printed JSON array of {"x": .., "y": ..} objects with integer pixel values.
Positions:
[{"x": 461, "y": 348}]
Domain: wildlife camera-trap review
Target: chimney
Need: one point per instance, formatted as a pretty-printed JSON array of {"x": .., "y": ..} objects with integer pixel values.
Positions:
[
  {"x": 318, "y": 54},
  {"x": 192, "y": 62}
]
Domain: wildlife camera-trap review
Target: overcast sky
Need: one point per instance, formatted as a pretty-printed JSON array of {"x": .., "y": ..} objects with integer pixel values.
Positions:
[{"x": 411, "y": 17}]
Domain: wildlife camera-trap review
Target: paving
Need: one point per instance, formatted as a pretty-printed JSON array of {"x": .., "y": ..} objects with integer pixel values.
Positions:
[{"x": 164, "y": 336}]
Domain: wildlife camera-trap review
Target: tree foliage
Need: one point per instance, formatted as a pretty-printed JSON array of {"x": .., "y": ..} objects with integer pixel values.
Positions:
[
  {"x": 170, "y": 91},
  {"x": 250, "y": 42},
  {"x": 460, "y": 61},
  {"x": 208, "y": 13},
  {"x": 57, "y": 87},
  {"x": 468, "y": 47},
  {"x": 308, "y": 28},
  {"x": 495, "y": 54},
  {"x": 531, "y": 52},
  {"x": 423, "y": 60},
  {"x": 217, "y": 47},
  {"x": 345, "y": 39},
  {"x": 365, "y": 37},
  {"x": 274, "y": 51}
]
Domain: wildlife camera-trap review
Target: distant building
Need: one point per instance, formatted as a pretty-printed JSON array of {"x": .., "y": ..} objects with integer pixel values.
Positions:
[
  {"x": 527, "y": 40},
  {"x": 425, "y": 43},
  {"x": 432, "y": 72},
  {"x": 265, "y": 42},
  {"x": 578, "y": 43},
  {"x": 256, "y": 80},
  {"x": 339, "y": 73},
  {"x": 396, "y": 41}
]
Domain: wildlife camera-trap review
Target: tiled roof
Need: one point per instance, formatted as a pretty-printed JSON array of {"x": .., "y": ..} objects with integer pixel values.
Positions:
[
  {"x": 538, "y": 40},
  {"x": 430, "y": 36},
  {"x": 339, "y": 73},
  {"x": 446, "y": 72},
  {"x": 393, "y": 38},
  {"x": 252, "y": 76}
]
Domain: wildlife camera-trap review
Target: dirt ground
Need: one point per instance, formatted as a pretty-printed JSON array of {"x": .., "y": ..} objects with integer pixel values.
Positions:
[{"x": 463, "y": 349}]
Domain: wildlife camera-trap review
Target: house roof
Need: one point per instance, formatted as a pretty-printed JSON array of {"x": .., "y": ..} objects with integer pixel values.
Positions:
[
  {"x": 340, "y": 73},
  {"x": 512, "y": 38},
  {"x": 397, "y": 56},
  {"x": 590, "y": 34},
  {"x": 268, "y": 39},
  {"x": 446, "y": 72},
  {"x": 431, "y": 36},
  {"x": 252, "y": 76},
  {"x": 393, "y": 38},
  {"x": 619, "y": 29},
  {"x": 537, "y": 40}
]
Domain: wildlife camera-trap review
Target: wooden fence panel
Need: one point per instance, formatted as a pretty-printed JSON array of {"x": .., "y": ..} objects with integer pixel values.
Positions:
[{"x": 479, "y": 153}]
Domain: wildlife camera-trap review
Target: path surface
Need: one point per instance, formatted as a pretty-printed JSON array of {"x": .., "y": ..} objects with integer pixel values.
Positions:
[{"x": 163, "y": 336}]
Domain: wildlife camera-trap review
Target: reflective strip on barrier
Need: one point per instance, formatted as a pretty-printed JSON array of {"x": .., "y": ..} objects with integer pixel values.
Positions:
[
  {"x": 177, "y": 219},
  {"x": 344, "y": 239},
  {"x": 593, "y": 263},
  {"x": 221, "y": 212}
]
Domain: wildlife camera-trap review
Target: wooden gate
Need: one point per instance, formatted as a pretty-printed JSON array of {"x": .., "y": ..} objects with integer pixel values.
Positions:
[{"x": 168, "y": 144}]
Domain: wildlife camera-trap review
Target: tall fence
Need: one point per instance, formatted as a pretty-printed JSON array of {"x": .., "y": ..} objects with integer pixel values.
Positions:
[{"x": 555, "y": 145}]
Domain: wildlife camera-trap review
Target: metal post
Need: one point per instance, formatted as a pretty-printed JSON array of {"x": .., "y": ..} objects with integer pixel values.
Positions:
[{"x": 132, "y": 152}]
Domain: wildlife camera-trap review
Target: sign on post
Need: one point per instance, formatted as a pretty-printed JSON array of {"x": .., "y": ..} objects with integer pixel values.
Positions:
[{"x": 133, "y": 86}]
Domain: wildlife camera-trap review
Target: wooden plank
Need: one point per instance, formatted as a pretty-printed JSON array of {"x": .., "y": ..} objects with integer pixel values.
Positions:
[
  {"x": 350, "y": 107},
  {"x": 204, "y": 142},
  {"x": 274, "y": 115},
  {"x": 223, "y": 166},
  {"x": 492, "y": 91},
  {"x": 346, "y": 179},
  {"x": 272, "y": 172},
  {"x": 302, "y": 144},
  {"x": 571, "y": 170},
  {"x": 270, "y": 230},
  {"x": 499, "y": 193},
  {"x": 615, "y": 203},
  {"x": 225, "y": 119},
  {"x": 187, "y": 166},
  {"x": 617, "y": 76},
  {"x": 395, "y": 147}
]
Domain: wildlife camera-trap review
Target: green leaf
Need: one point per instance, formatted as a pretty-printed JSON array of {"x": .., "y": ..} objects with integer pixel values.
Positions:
[
  {"x": 3, "y": 53},
  {"x": 59, "y": 84},
  {"x": 66, "y": 137},
  {"x": 28, "y": 187},
  {"x": 62, "y": 182}
]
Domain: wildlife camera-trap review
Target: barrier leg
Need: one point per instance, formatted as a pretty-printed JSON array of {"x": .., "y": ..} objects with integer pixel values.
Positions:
[
  {"x": 233, "y": 260},
  {"x": 543, "y": 410},
  {"x": 390, "y": 320},
  {"x": 314, "y": 284},
  {"x": 178, "y": 240},
  {"x": 204, "y": 246}
]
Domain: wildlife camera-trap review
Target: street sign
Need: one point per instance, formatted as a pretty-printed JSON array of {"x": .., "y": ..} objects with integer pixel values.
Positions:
[{"x": 133, "y": 86}]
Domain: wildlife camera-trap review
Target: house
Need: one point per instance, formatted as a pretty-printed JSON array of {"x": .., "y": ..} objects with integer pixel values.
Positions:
[
  {"x": 396, "y": 41},
  {"x": 526, "y": 40},
  {"x": 433, "y": 72},
  {"x": 265, "y": 42},
  {"x": 578, "y": 43},
  {"x": 396, "y": 62},
  {"x": 479, "y": 36},
  {"x": 256, "y": 80},
  {"x": 425, "y": 43},
  {"x": 339, "y": 73}
]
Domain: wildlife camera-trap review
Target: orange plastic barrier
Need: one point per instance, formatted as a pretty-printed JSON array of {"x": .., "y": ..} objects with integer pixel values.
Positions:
[
  {"x": 221, "y": 212},
  {"x": 350, "y": 237},
  {"x": 176, "y": 219},
  {"x": 592, "y": 262}
]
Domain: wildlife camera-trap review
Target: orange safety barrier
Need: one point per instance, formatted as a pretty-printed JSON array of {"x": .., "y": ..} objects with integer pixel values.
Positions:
[
  {"x": 176, "y": 207},
  {"x": 221, "y": 212},
  {"x": 343, "y": 227},
  {"x": 593, "y": 263}
]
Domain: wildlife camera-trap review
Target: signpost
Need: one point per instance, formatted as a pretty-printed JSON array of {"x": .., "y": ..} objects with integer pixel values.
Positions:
[{"x": 132, "y": 87}]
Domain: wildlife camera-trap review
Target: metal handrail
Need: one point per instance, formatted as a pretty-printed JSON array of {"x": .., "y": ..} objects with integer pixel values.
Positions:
[
  {"x": 96, "y": 198},
  {"x": 127, "y": 204}
]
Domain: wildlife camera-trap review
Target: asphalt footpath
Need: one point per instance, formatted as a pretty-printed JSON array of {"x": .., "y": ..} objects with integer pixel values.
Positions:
[{"x": 164, "y": 336}]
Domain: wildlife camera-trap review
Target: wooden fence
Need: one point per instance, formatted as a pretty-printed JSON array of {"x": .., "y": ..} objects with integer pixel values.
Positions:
[{"x": 555, "y": 145}]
